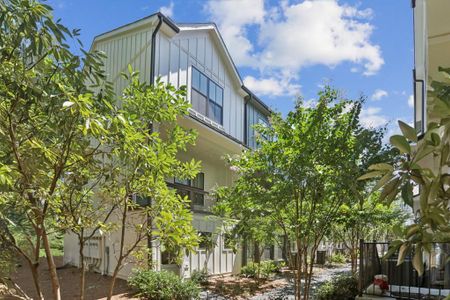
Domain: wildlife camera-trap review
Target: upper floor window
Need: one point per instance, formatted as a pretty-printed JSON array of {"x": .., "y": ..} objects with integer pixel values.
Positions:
[
  {"x": 194, "y": 189},
  {"x": 207, "y": 96}
]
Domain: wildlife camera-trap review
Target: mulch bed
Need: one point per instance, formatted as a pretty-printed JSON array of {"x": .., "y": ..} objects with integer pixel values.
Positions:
[{"x": 97, "y": 286}]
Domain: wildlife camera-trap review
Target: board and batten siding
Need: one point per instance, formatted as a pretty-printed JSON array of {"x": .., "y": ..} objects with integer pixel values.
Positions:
[
  {"x": 253, "y": 117},
  {"x": 176, "y": 55},
  {"x": 132, "y": 48}
]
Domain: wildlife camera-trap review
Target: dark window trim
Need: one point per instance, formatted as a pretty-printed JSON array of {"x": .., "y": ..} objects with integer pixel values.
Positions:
[
  {"x": 190, "y": 190},
  {"x": 207, "y": 96}
]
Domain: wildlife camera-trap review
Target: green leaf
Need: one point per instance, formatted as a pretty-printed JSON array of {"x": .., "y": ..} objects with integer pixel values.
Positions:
[
  {"x": 418, "y": 260},
  {"x": 407, "y": 194},
  {"x": 408, "y": 131},
  {"x": 402, "y": 253},
  {"x": 382, "y": 181},
  {"x": 370, "y": 175},
  {"x": 381, "y": 167},
  {"x": 400, "y": 142}
]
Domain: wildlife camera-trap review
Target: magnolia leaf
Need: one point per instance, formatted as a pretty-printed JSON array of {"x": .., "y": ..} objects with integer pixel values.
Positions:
[
  {"x": 408, "y": 131},
  {"x": 381, "y": 167},
  {"x": 407, "y": 194},
  {"x": 418, "y": 260},
  {"x": 370, "y": 175},
  {"x": 413, "y": 229},
  {"x": 382, "y": 181},
  {"x": 68, "y": 104},
  {"x": 400, "y": 142},
  {"x": 402, "y": 253}
]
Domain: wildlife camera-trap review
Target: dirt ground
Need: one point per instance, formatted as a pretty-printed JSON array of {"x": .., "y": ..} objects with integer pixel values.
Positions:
[
  {"x": 236, "y": 287},
  {"x": 96, "y": 284}
]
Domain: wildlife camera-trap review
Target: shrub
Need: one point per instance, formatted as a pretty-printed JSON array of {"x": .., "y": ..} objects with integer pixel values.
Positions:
[
  {"x": 200, "y": 277},
  {"x": 338, "y": 258},
  {"x": 261, "y": 270},
  {"x": 250, "y": 270},
  {"x": 163, "y": 285},
  {"x": 343, "y": 287}
]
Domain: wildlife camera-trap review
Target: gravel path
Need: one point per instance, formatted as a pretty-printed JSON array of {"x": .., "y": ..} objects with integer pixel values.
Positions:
[{"x": 287, "y": 292}]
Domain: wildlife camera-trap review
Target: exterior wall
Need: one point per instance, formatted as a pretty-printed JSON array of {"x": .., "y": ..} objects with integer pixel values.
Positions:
[
  {"x": 431, "y": 48},
  {"x": 129, "y": 48},
  {"x": 102, "y": 251},
  {"x": 176, "y": 55},
  {"x": 253, "y": 117},
  {"x": 174, "y": 58}
]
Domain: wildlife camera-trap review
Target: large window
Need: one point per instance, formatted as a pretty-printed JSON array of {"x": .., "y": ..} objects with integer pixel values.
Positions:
[
  {"x": 194, "y": 189},
  {"x": 207, "y": 96}
]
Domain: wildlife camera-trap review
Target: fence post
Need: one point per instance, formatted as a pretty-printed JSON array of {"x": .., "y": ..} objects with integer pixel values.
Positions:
[{"x": 361, "y": 259}]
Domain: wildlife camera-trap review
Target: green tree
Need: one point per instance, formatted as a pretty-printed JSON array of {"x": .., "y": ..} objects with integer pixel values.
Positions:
[
  {"x": 298, "y": 176},
  {"x": 45, "y": 107},
  {"x": 422, "y": 163},
  {"x": 372, "y": 221},
  {"x": 144, "y": 141}
]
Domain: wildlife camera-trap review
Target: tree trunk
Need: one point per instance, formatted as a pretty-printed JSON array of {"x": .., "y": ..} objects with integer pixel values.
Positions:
[
  {"x": 34, "y": 272},
  {"x": 52, "y": 267},
  {"x": 113, "y": 279},
  {"x": 298, "y": 272},
  {"x": 82, "y": 266},
  {"x": 256, "y": 253}
]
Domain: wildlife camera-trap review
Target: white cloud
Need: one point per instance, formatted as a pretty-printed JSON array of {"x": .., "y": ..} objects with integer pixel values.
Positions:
[
  {"x": 378, "y": 94},
  {"x": 233, "y": 19},
  {"x": 167, "y": 10},
  {"x": 411, "y": 101},
  {"x": 371, "y": 117},
  {"x": 271, "y": 86},
  {"x": 291, "y": 36},
  {"x": 319, "y": 32}
]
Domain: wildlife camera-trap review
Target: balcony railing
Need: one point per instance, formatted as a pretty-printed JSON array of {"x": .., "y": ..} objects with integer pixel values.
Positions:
[{"x": 403, "y": 280}]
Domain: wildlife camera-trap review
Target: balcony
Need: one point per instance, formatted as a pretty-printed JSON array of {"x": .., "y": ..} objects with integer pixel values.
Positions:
[{"x": 403, "y": 280}]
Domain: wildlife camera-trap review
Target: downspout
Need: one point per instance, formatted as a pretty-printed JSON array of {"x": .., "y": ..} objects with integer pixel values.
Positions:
[
  {"x": 245, "y": 120},
  {"x": 153, "y": 49},
  {"x": 152, "y": 81}
]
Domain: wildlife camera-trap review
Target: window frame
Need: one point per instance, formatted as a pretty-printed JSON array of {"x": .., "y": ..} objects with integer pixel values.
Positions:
[
  {"x": 191, "y": 190},
  {"x": 209, "y": 101},
  {"x": 203, "y": 234}
]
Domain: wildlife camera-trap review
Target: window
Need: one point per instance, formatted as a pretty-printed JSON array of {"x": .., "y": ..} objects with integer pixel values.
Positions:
[
  {"x": 205, "y": 240},
  {"x": 228, "y": 241},
  {"x": 207, "y": 96},
  {"x": 140, "y": 200},
  {"x": 193, "y": 189}
]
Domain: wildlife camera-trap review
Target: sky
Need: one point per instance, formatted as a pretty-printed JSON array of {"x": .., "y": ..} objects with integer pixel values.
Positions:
[{"x": 288, "y": 49}]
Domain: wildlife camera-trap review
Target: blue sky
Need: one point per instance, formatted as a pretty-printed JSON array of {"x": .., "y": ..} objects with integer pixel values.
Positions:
[{"x": 288, "y": 48}]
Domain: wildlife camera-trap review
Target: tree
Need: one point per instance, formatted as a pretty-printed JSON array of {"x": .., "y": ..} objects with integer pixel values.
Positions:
[
  {"x": 422, "y": 163},
  {"x": 372, "y": 221},
  {"x": 360, "y": 211},
  {"x": 144, "y": 140},
  {"x": 46, "y": 115},
  {"x": 298, "y": 176}
]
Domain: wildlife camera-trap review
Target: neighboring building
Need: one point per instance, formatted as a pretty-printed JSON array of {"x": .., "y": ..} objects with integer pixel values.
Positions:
[
  {"x": 223, "y": 113},
  {"x": 431, "y": 51}
]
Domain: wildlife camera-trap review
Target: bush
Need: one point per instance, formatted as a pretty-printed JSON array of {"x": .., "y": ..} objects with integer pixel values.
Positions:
[
  {"x": 343, "y": 287},
  {"x": 163, "y": 285},
  {"x": 200, "y": 277},
  {"x": 250, "y": 270},
  {"x": 338, "y": 258},
  {"x": 263, "y": 269}
]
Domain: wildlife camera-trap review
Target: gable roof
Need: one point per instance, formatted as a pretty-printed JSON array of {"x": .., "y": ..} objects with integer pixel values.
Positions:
[{"x": 170, "y": 25}]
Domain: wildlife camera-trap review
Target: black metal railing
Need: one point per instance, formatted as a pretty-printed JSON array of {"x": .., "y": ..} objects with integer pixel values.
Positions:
[{"x": 404, "y": 281}]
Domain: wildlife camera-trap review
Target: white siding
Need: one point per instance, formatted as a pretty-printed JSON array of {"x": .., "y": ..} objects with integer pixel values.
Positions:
[
  {"x": 174, "y": 58},
  {"x": 131, "y": 48}
]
